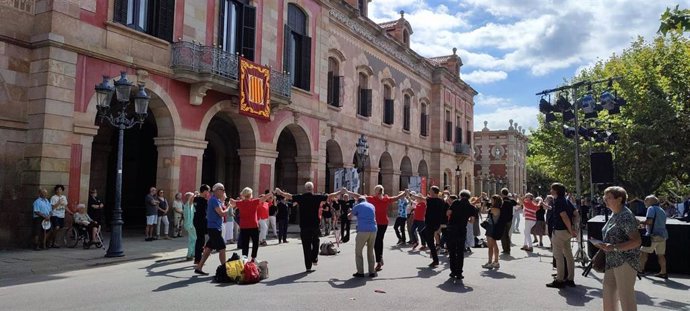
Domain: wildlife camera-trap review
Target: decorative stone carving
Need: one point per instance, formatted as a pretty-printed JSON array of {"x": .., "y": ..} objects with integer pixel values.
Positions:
[
  {"x": 197, "y": 92},
  {"x": 383, "y": 43}
]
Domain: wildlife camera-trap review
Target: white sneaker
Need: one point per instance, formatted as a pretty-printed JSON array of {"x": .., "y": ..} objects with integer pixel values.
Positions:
[
  {"x": 495, "y": 265},
  {"x": 487, "y": 265}
]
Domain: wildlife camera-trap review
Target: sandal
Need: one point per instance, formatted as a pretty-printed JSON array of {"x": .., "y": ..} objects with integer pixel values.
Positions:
[{"x": 662, "y": 275}]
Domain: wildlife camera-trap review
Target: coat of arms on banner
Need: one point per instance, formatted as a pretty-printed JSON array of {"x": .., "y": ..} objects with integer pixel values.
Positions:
[{"x": 255, "y": 90}]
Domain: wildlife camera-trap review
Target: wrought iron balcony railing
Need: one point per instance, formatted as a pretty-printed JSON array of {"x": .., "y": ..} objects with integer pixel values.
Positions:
[
  {"x": 208, "y": 60},
  {"x": 463, "y": 149}
]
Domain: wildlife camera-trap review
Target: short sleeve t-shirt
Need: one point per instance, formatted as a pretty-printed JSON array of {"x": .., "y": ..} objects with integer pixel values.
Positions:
[
  {"x": 420, "y": 211},
  {"x": 530, "y": 210},
  {"x": 561, "y": 205},
  {"x": 248, "y": 209},
  {"x": 200, "y": 205},
  {"x": 263, "y": 211},
  {"x": 151, "y": 209},
  {"x": 435, "y": 211},
  {"x": 507, "y": 210},
  {"x": 213, "y": 220},
  {"x": 659, "y": 221},
  {"x": 366, "y": 219},
  {"x": 309, "y": 209},
  {"x": 61, "y": 202},
  {"x": 381, "y": 208},
  {"x": 345, "y": 207},
  {"x": 461, "y": 210}
]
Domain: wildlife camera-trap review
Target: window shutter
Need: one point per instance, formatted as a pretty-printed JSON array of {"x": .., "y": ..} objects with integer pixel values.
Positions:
[
  {"x": 392, "y": 113},
  {"x": 287, "y": 52},
  {"x": 338, "y": 87},
  {"x": 458, "y": 135},
  {"x": 330, "y": 91},
  {"x": 361, "y": 107},
  {"x": 367, "y": 101},
  {"x": 166, "y": 19},
  {"x": 120, "y": 11},
  {"x": 305, "y": 62},
  {"x": 221, "y": 18},
  {"x": 248, "y": 31}
]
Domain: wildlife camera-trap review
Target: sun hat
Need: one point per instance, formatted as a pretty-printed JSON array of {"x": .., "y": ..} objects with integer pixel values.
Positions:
[{"x": 45, "y": 224}]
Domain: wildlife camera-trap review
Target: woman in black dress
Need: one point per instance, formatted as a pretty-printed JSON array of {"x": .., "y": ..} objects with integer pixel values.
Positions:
[{"x": 494, "y": 232}]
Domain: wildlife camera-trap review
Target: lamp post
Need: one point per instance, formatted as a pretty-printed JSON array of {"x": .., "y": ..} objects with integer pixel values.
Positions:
[
  {"x": 362, "y": 156},
  {"x": 458, "y": 171},
  {"x": 118, "y": 118}
]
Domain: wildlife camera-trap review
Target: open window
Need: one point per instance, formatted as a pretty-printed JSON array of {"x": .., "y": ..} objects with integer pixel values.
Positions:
[
  {"x": 154, "y": 17},
  {"x": 297, "y": 53}
]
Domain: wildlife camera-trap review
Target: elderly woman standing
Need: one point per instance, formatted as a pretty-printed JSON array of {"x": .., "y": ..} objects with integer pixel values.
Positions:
[{"x": 622, "y": 246}]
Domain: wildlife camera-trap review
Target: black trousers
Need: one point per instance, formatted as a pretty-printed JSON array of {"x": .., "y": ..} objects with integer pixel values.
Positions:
[
  {"x": 428, "y": 234},
  {"x": 505, "y": 239},
  {"x": 253, "y": 234},
  {"x": 378, "y": 244},
  {"x": 344, "y": 229},
  {"x": 200, "y": 229},
  {"x": 399, "y": 228},
  {"x": 456, "y": 248},
  {"x": 310, "y": 245},
  {"x": 282, "y": 229}
]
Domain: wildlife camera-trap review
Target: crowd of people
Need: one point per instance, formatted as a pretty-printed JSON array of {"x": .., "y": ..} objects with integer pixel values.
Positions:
[{"x": 441, "y": 222}]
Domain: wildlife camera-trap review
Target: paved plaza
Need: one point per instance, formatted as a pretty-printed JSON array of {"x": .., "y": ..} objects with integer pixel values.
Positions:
[{"x": 161, "y": 279}]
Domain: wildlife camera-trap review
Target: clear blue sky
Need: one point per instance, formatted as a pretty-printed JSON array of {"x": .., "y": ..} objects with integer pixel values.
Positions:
[{"x": 511, "y": 49}]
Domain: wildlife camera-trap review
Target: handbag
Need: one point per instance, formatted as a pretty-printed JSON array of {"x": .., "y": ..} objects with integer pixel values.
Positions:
[
  {"x": 599, "y": 261},
  {"x": 647, "y": 238}
]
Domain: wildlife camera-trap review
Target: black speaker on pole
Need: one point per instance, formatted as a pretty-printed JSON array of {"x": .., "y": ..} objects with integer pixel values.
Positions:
[{"x": 602, "y": 167}]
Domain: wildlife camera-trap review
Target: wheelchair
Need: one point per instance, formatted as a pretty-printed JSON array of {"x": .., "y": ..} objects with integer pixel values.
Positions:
[{"x": 80, "y": 233}]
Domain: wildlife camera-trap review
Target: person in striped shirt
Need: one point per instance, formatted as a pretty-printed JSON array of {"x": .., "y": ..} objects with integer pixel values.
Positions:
[{"x": 530, "y": 212}]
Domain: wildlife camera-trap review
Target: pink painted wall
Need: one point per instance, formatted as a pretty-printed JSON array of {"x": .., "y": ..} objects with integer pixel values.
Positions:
[
  {"x": 187, "y": 173},
  {"x": 74, "y": 176},
  {"x": 264, "y": 177}
]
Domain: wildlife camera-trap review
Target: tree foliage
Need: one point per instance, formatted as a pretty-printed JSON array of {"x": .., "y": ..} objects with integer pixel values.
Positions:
[
  {"x": 675, "y": 20},
  {"x": 653, "y": 127}
]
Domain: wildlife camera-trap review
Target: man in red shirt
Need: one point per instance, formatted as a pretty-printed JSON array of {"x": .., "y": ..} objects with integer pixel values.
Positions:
[{"x": 381, "y": 203}]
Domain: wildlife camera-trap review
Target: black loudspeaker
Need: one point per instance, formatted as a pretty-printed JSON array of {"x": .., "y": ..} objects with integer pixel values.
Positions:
[{"x": 602, "y": 167}]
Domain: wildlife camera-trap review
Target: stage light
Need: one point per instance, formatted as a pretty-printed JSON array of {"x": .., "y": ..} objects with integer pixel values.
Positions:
[
  {"x": 544, "y": 106},
  {"x": 613, "y": 139},
  {"x": 562, "y": 103},
  {"x": 568, "y": 132},
  {"x": 549, "y": 117},
  {"x": 568, "y": 115},
  {"x": 608, "y": 100}
]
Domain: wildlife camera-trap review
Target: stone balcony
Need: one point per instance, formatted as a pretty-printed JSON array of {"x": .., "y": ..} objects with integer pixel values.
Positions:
[
  {"x": 209, "y": 67},
  {"x": 463, "y": 150}
]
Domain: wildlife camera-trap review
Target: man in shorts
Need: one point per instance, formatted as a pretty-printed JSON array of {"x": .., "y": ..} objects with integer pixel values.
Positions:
[
  {"x": 655, "y": 223},
  {"x": 151, "y": 213},
  {"x": 214, "y": 220}
]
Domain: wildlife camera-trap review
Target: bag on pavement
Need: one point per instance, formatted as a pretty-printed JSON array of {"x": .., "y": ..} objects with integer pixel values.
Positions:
[
  {"x": 263, "y": 270},
  {"x": 251, "y": 273},
  {"x": 221, "y": 275},
  {"x": 328, "y": 249},
  {"x": 235, "y": 270}
]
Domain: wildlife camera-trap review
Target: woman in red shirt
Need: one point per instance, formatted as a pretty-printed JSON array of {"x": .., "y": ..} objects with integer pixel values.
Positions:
[
  {"x": 418, "y": 224},
  {"x": 249, "y": 222},
  {"x": 530, "y": 210}
]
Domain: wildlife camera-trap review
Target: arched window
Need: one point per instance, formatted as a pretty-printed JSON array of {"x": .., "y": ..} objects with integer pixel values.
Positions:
[
  {"x": 424, "y": 117},
  {"x": 363, "y": 96},
  {"x": 388, "y": 105},
  {"x": 406, "y": 112},
  {"x": 335, "y": 83},
  {"x": 406, "y": 38},
  {"x": 297, "y": 53}
]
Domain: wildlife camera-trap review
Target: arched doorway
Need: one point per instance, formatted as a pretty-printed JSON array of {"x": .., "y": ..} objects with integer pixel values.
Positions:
[
  {"x": 423, "y": 171},
  {"x": 334, "y": 161},
  {"x": 386, "y": 172},
  {"x": 292, "y": 168},
  {"x": 405, "y": 172},
  {"x": 221, "y": 163},
  {"x": 139, "y": 168}
]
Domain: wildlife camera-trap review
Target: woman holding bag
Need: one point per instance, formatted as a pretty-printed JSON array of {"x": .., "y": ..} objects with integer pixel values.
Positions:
[
  {"x": 493, "y": 231},
  {"x": 621, "y": 243}
]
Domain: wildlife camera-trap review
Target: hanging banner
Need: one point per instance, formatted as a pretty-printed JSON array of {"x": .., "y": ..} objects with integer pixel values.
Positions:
[
  {"x": 415, "y": 184},
  {"x": 423, "y": 185},
  {"x": 346, "y": 177},
  {"x": 255, "y": 90}
]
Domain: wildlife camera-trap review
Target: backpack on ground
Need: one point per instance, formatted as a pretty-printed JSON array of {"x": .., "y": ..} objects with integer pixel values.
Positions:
[
  {"x": 235, "y": 270},
  {"x": 251, "y": 273},
  {"x": 263, "y": 270},
  {"x": 328, "y": 249},
  {"x": 221, "y": 275}
]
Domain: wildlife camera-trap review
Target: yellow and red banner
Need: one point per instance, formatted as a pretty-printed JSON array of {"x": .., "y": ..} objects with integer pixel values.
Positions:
[{"x": 255, "y": 90}]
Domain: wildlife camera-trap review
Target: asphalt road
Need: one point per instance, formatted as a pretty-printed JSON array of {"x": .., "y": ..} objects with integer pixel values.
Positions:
[{"x": 404, "y": 284}]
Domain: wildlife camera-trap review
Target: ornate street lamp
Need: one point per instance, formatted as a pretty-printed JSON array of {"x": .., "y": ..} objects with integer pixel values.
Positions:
[
  {"x": 458, "y": 172},
  {"x": 362, "y": 156},
  {"x": 119, "y": 119}
]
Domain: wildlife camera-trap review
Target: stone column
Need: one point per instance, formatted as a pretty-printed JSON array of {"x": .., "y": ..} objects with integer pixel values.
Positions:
[
  {"x": 370, "y": 179},
  {"x": 307, "y": 171},
  {"x": 255, "y": 163},
  {"x": 175, "y": 156}
]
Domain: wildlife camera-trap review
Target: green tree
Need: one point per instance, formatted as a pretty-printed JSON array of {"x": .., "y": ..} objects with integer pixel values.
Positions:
[{"x": 675, "y": 20}]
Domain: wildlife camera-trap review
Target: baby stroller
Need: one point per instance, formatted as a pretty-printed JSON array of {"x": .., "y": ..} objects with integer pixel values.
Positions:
[{"x": 79, "y": 233}]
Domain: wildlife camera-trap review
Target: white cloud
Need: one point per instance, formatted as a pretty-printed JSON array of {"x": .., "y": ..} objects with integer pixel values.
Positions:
[
  {"x": 493, "y": 102},
  {"x": 484, "y": 77},
  {"x": 525, "y": 117}
]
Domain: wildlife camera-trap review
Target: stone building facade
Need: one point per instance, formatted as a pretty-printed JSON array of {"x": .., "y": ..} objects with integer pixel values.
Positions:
[
  {"x": 335, "y": 75},
  {"x": 499, "y": 159}
]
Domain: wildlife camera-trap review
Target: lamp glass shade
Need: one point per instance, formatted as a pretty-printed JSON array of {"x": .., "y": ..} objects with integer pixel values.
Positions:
[
  {"x": 141, "y": 101},
  {"x": 457, "y": 171},
  {"x": 123, "y": 88},
  {"x": 104, "y": 93}
]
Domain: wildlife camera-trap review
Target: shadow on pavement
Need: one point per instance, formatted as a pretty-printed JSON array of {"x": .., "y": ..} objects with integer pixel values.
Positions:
[
  {"x": 288, "y": 279},
  {"x": 496, "y": 274},
  {"x": 668, "y": 283},
  {"x": 426, "y": 272},
  {"x": 455, "y": 286},
  {"x": 349, "y": 283},
  {"x": 38, "y": 278},
  {"x": 183, "y": 283}
]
